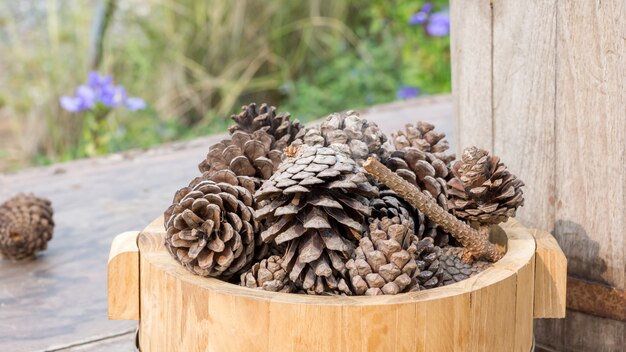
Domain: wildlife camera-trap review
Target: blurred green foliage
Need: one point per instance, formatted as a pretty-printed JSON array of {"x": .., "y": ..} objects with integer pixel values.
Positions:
[{"x": 196, "y": 61}]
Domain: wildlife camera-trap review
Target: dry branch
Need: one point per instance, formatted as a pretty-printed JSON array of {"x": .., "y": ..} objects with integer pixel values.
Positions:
[{"x": 476, "y": 242}]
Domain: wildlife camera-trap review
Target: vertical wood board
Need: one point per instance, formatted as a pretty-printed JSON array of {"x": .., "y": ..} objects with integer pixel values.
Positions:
[
  {"x": 524, "y": 54},
  {"x": 470, "y": 49}
]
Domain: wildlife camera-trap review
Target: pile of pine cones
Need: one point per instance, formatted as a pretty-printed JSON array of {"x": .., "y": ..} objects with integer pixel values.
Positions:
[{"x": 285, "y": 208}]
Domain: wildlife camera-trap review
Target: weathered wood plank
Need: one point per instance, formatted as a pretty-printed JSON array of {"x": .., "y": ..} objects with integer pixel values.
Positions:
[
  {"x": 60, "y": 299},
  {"x": 524, "y": 52},
  {"x": 471, "y": 45},
  {"x": 591, "y": 165}
]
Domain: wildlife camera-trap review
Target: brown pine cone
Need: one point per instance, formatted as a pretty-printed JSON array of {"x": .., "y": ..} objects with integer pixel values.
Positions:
[
  {"x": 423, "y": 136},
  {"x": 429, "y": 272},
  {"x": 429, "y": 174},
  {"x": 348, "y": 133},
  {"x": 383, "y": 263},
  {"x": 26, "y": 226},
  {"x": 265, "y": 119},
  {"x": 482, "y": 189},
  {"x": 268, "y": 275},
  {"x": 389, "y": 204},
  {"x": 245, "y": 154},
  {"x": 455, "y": 269},
  {"x": 317, "y": 207},
  {"x": 210, "y": 226}
]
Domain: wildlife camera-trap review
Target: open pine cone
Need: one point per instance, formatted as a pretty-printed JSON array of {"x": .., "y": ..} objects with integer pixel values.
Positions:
[
  {"x": 383, "y": 263},
  {"x": 389, "y": 204},
  {"x": 268, "y": 275},
  {"x": 348, "y": 133},
  {"x": 210, "y": 226},
  {"x": 26, "y": 226},
  {"x": 429, "y": 173},
  {"x": 316, "y": 203},
  {"x": 265, "y": 119},
  {"x": 482, "y": 189},
  {"x": 245, "y": 154},
  {"x": 423, "y": 136}
]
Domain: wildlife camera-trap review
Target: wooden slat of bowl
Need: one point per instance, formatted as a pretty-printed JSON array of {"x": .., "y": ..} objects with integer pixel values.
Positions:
[{"x": 183, "y": 312}]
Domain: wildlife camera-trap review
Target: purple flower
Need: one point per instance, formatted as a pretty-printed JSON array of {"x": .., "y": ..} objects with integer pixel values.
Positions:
[
  {"x": 426, "y": 8},
  {"x": 97, "y": 81},
  {"x": 418, "y": 18},
  {"x": 71, "y": 104},
  {"x": 100, "y": 89},
  {"x": 113, "y": 96},
  {"x": 407, "y": 92},
  {"x": 87, "y": 97},
  {"x": 134, "y": 104},
  {"x": 438, "y": 25}
]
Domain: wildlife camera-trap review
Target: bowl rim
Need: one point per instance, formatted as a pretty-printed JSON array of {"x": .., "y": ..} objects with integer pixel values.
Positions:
[{"x": 520, "y": 246}]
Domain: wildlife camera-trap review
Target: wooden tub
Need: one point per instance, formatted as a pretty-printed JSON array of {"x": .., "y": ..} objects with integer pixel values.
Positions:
[{"x": 178, "y": 311}]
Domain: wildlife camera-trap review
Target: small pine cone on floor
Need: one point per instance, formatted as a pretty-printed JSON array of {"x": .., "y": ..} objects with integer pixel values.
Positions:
[{"x": 26, "y": 226}]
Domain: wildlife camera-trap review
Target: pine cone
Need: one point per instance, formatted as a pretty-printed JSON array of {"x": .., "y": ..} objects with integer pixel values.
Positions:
[
  {"x": 383, "y": 262},
  {"x": 26, "y": 226},
  {"x": 210, "y": 226},
  {"x": 347, "y": 133},
  {"x": 316, "y": 203},
  {"x": 390, "y": 205},
  {"x": 429, "y": 173},
  {"x": 455, "y": 269},
  {"x": 423, "y": 136},
  {"x": 430, "y": 272},
  {"x": 268, "y": 275},
  {"x": 482, "y": 190},
  {"x": 246, "y": 154},
  {"x": 265, "y": 119}
]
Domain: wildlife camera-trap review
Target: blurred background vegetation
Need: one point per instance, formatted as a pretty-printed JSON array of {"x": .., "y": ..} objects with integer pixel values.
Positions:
[{"x": 195, "y": 62}]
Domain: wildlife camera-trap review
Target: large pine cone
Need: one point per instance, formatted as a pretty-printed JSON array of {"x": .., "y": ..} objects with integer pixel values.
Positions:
[
  {"x": 482, "y": 189},
  {"x": 246, "y": 154},
  {"x": 383, "y": 262},
  {"x": 265, "y": 118},
  {"x": 455, "y": 269},
  {"x": 210, "y": 226},
  {"x": 423, "y": 136},
  {"x": 347, "y": 133},
  {"x": 316, "y": 203},
  {"x": 429, "y": 174},
  {"x": 26, "y": 226},
  {"x": 268, "y": 275}
]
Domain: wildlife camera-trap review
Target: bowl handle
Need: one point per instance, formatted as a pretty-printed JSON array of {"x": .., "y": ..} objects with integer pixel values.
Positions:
[
  {"x": 550, "y": 276},
  {"x": 123, "y": 277}
]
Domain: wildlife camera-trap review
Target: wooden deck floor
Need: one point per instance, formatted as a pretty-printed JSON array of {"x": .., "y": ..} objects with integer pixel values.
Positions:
[{"x": 58, "y": 302}]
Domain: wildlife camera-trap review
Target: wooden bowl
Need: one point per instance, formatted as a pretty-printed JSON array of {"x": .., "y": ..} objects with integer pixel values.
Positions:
[{"x": 492, "y": 311}]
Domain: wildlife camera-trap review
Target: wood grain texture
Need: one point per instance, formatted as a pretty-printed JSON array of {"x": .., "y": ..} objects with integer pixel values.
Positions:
[
  {"x": 123, "y": 277},
  {"x": 59, "y": 300},
  {"x": 489, "y": 312},
  {"x": 558, "y": 121},
  {"x": 550, "y": 277},
  {"x": 591, "y": 162},
  {"x": 591, "y": 140},
  {"x": 524, "y": 53},
  {"x": 470, "y": 49}
]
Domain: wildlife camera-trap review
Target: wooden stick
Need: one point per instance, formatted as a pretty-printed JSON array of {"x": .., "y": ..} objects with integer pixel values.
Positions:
[{"x": 476, "y": 242}]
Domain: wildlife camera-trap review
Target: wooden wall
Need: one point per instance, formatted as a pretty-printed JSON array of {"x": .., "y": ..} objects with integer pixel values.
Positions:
[{"x": 541, "y": 83}]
